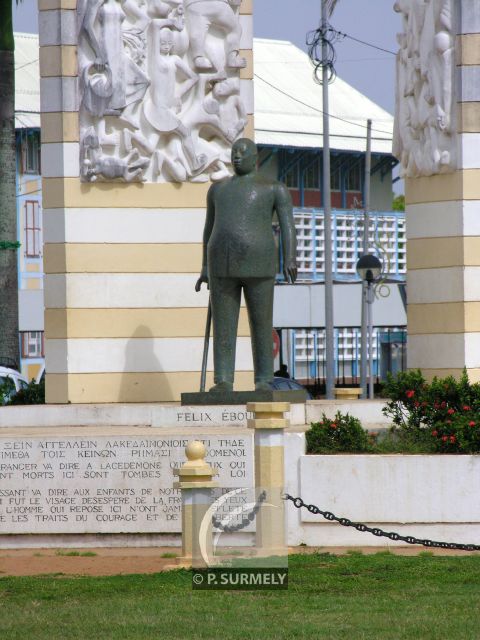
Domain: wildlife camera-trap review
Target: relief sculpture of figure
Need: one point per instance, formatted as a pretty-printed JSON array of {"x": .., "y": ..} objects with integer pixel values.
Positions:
[
  {"x": 113, "y": 80},
  {"x": 210, "y": 112},
  {"x": 202, "y": 15},
  {"x": 423, "y": 138},
  {"x": 442, "y": 70},
  {"x": 164, "y": 98},
  {"x": 239, "y": 254},
  {"x": 159, "y": 84},
  {"x": 94, "y": 164},
  {"x": 165, "y": 14}
]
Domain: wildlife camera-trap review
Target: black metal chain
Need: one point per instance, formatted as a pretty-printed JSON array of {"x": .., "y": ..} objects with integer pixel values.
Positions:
[
  {"x": 246, "y": 520},
  {"x": 359, "y": 526}
]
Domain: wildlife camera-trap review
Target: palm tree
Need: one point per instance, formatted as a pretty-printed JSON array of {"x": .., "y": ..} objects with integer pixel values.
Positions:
[{"x": 9, "y": 338}]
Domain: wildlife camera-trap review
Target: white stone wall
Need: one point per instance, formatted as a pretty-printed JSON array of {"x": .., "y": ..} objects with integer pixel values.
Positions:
[
  {"x": 431, "y": 497},
  {"x": 40, "y": 460}
]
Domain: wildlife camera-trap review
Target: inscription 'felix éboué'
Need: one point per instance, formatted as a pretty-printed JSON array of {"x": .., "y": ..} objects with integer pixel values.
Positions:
[{"x": 79, "y": 485}]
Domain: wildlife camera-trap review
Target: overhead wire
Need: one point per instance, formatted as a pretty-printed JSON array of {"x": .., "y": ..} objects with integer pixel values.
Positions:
[
  {"x": 30, "y": 193},
  {"x": 26, "y": 64},
  {"x": 309, "y": 106},
  {"x": 367, "y": 44}
]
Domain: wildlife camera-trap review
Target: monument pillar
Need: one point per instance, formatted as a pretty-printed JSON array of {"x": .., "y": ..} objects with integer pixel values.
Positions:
[
  {"x": 437, "y": 140},
  {"x": 269, "y": 424},
  {"x": 195, "y": 482},
  {"x": 123, "y": 200}
]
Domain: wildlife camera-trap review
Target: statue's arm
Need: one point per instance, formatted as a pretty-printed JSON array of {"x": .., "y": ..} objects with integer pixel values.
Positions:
[
  {"x": 132, "y": 9},
  {"x": 207, "y": 232},
  {"x": 284, "y": 209}
]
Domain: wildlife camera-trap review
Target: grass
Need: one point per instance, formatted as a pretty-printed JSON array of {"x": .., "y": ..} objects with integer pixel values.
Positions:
[{"x": 353, "y": 597}]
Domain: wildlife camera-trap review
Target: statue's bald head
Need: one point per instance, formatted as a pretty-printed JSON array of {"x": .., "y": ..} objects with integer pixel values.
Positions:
[{"x": 244, "y": 156}]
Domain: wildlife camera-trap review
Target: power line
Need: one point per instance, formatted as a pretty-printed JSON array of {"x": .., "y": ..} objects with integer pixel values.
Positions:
[
  {"x": 377, "y": 59},
  {"x": 332, "y": 135},
  {"x": 17, "y": 117},
  {"x": 26, "y": 64},
  {"x": 309, "y": 106},
  {"x": 367, "y": 44},
  {"x": 30, "y": 193}
]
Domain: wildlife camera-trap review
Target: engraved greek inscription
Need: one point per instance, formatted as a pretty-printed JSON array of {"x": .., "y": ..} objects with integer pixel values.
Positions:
[{"x": 103, "y": 484}]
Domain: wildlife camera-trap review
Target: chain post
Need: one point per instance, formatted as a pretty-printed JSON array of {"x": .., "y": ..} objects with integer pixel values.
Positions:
[{"x": 195, "y": 483}]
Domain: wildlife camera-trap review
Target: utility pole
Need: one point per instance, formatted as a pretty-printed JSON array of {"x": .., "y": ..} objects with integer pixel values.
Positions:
[
  {"x": 327, "y": 211},
  {"x": 366, "y": 307}
]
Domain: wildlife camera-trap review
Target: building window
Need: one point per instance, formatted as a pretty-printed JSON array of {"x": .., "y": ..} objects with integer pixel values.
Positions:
[
  {"x": 335, "y": 173},
  {"x": 354, "y": 178},
  {"x": 30, "y": 151},
  {"x": 335, "y": 180},
  {"x": 291, "y": 178},
  {"x": 32, "y": 344},
  {"x": 312, "y": 176},
  {"x": 32, "y": 229}
]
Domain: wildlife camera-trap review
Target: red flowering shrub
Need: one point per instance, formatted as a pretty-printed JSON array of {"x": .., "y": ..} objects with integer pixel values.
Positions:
[
  {"x": 460, "y": 435},
  {"x": 344, "y": 434},
  {"x": 443, "y": 414}
]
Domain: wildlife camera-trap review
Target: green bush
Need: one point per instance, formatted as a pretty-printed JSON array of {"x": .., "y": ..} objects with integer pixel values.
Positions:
[
  {"x": 343, "y": 434},
  {"x": 443, "y": 415},
  {"x": 32, "y": 394},
  {"x": 7, "y": 389},
  {"x": 458, "y": 434},
  {"x": 396, "y": 440}
]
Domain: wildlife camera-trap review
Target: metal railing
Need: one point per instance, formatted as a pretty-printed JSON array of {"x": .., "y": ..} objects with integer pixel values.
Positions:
[
  {"x": 387, "y": 239},
  {"x": 305, "y": 357}
]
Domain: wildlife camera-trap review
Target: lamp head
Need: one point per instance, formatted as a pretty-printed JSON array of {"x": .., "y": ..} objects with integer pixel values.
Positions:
[{"x": 369, "y": 267}]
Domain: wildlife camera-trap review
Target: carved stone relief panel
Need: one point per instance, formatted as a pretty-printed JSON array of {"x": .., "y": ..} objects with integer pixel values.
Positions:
[
  {"x": 159, "y": 89},
  {"x": 424, "y": 135}
]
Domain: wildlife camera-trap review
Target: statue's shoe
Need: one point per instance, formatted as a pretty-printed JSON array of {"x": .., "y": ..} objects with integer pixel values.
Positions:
[
  {"x": 221, "y": 387},
  {"x": 263, "y": 385}
]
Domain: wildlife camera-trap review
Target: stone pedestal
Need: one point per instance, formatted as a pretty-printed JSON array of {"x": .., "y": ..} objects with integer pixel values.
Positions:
[
  {"x": 269, "y": 424},
  {"x": 244, "y": 397}
]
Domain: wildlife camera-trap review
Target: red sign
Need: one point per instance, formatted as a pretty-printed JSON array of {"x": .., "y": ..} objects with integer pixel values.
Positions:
[{"x": 276, "y": 343}]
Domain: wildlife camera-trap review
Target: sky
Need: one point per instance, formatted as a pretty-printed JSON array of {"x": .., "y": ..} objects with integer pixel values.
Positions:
[{"x": 374, "y": 21}]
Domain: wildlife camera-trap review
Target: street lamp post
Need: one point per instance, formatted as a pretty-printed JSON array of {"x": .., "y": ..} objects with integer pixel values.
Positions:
[
  {"x": 322, "y": 55},
  {"x": 369, "y": 268}
]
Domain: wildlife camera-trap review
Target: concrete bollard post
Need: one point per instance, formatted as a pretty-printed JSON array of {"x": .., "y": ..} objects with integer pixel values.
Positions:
[
  {"x": 269, "y": 424},
  {"x": 195, "y": 483}
]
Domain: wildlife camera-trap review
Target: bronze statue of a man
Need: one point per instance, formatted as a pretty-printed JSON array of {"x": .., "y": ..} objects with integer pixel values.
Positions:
[{"x": 239, "y": 253}]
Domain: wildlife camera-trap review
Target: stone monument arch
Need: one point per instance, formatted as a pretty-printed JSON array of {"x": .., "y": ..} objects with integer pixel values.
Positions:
[
  {"x": 135, "y": 127},
  {"x": 437, "y": 141}
]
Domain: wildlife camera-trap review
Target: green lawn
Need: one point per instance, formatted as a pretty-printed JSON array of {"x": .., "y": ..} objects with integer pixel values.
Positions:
[{"x": 381, "y": 596}]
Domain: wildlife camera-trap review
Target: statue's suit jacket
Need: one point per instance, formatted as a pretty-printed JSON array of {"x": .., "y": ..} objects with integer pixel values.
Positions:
[{"x": 238, "y": 228}]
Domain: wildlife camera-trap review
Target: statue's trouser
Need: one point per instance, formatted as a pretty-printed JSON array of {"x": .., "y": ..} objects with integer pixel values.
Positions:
[{"x": 225, "y": 299}]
